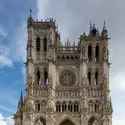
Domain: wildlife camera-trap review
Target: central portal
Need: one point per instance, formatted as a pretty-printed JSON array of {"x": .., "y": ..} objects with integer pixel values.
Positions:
[{"x": 67, "y": 122}]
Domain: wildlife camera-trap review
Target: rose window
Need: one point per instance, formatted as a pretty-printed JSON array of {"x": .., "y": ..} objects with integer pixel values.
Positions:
[{"x": 67, "y": 78}]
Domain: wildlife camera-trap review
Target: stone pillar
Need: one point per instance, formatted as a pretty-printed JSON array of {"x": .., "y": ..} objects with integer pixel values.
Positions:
[{"x": 93, "y": 53}]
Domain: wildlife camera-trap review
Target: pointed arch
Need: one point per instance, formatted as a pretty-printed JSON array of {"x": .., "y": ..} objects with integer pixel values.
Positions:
[
  {"x": 37, "y": 106},
  {"x": 96, "y": 77},
  {"x": 76, "y": 106},
  {"x": 93, "y": 120},
  {"x": 97, "y": 72},
  {"x": 45, "y": 77},
  {"x": 67, "y": 117},
  {"x": 58, "y": 107},
  {"x": 38, "y": 77},
  {"x": 38, "y": 44},
  {"x": 90, "y": 53},
  {"x": 45, "y": 44},
  {"x": 89, "y": 78},
  {"x": 40, "y": 120},
  {"x": 64, "y": 106},
  {"x": 70, "y": 106},
  {"x": 97, "y": 53}
]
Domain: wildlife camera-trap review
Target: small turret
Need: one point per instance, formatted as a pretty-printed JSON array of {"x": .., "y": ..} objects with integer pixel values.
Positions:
[
  {"x": 20, "y": 102},
  {"x": 30, "y": 19},
  {"x": 104, "y": 31},
  {"x": 21, "y": 98},
  {"x": 84, "y": 34}
]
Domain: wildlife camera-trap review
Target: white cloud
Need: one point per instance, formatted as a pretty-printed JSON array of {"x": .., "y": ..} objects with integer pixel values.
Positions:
[
  {"x": 15, "y": 50},
  {"x": 5, "y": 59},
  {"x": 41, "y": 11},
  {"x": 119, "y": 122},
  {"x": 6, "y": 121},
  {"x": 18, "y": 44},
  {"x": 3, "y": 32},
  {"x": 118, "y": 81}
]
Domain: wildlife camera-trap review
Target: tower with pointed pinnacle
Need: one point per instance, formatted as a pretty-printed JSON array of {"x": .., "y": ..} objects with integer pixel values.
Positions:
[{"x": 66, "y": 84}]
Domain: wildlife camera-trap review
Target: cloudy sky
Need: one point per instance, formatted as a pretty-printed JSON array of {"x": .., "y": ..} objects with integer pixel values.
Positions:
[{"x": 73, "y": 17}]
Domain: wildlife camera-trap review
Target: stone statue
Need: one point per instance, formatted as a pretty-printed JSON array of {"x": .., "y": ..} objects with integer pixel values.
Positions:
[{"x": 105, "y": 53}]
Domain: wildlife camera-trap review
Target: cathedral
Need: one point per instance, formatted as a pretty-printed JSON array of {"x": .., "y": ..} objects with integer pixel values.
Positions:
[{"x": 66, "y": 83}]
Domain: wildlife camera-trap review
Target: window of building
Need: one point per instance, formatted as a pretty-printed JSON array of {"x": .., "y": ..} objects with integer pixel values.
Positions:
[
  {"x": 58, "y": 107},
  {"x": 38, "y": 44},
  {"x": 76, "y": 107},
  {"x": 97, "y": 53},
  {"x": 45, "y": 77},
  {"x": 45, "y": 44},
  {"x": 64, "y": 107},
  {"x": 38, "y": 106},
  {"x": 70, "y": 107},
  {"x": 38, "y": 77},
  {"x": 89, "y": 78},
  {"x": 90, "y": 53},
  {"x": 96, "y": 78}
]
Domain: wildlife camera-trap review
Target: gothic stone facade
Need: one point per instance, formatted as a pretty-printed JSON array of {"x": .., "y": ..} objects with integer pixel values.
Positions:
[{"x": 65, "y": 84}]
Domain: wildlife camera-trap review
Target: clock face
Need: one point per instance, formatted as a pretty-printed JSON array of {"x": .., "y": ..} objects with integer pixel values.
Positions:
[{"x": 67, "y": 78}]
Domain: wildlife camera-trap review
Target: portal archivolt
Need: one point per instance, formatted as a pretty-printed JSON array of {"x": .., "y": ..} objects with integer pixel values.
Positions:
[{"x": 67, "y": 122}]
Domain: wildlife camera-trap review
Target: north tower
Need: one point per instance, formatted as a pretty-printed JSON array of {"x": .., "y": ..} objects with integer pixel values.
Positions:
[{"x": 66, "y": 84}]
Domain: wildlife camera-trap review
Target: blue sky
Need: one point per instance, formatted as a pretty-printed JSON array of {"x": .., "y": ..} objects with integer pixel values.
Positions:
[
  {"x": 13, "y": 19},
  {"x": 73, "y": 18}
]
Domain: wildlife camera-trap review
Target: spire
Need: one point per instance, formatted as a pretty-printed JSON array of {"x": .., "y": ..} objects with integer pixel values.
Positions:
[
  {"x": 30, "y": 19},
  {"x": 84, "y": 34},
  {"x": 21, "y": 98},
  {"x": 104, "y": 31},
  {"x": 30, "y": 12},
  {"x": 93, "y": 25},
  {"x": 104, "y": 27},
  {"x": 90, "y": 25}
]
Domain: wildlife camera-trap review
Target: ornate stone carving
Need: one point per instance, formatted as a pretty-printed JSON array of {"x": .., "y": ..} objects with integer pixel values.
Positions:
[
  {"x": 105, "y": 53},
  {"x": 50, "y": 79},
  {"x": 67, "y": 78},
  {"x": 84, "y": 80}
]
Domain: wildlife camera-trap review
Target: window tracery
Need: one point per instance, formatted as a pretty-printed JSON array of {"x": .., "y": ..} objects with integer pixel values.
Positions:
[
  {"x": 67, "y": 78},
  {"x": 67, "y": 106}
]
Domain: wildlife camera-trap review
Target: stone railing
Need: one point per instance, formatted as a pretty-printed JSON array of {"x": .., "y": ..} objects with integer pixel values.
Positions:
[
  {"x": 68, "y": 49},
  {"x": 94, "y": 91},
  {"x": 63, "y": 92},
  {"x": 40, "y": 91}
]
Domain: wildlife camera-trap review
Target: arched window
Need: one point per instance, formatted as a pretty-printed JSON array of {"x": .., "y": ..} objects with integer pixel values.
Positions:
[
  {"x": 96, "y": 78},
  {"x": 45, "y": 44},
  {"x": 70, "y": 107},
  {"x": 76, "y": 107},
  {"x": 97, "y": 53},
  {"x": 92, "y": 121},
  {"x": 38, "y": 77},
  {"x": 58, "y": 107},
  {"x": 96, "y": 106},
  {"x": 40, "y": 121},
  {"x": 90, "y": 53},
  {"x": 38, "y": 106},
  {"x": 90, "y": 106},
  {"x": 64, "y": 107},
  {"x": 89, "y": 78},
  {"x": 45, "y": 77},
  {"x": 38, "y": 44}
]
